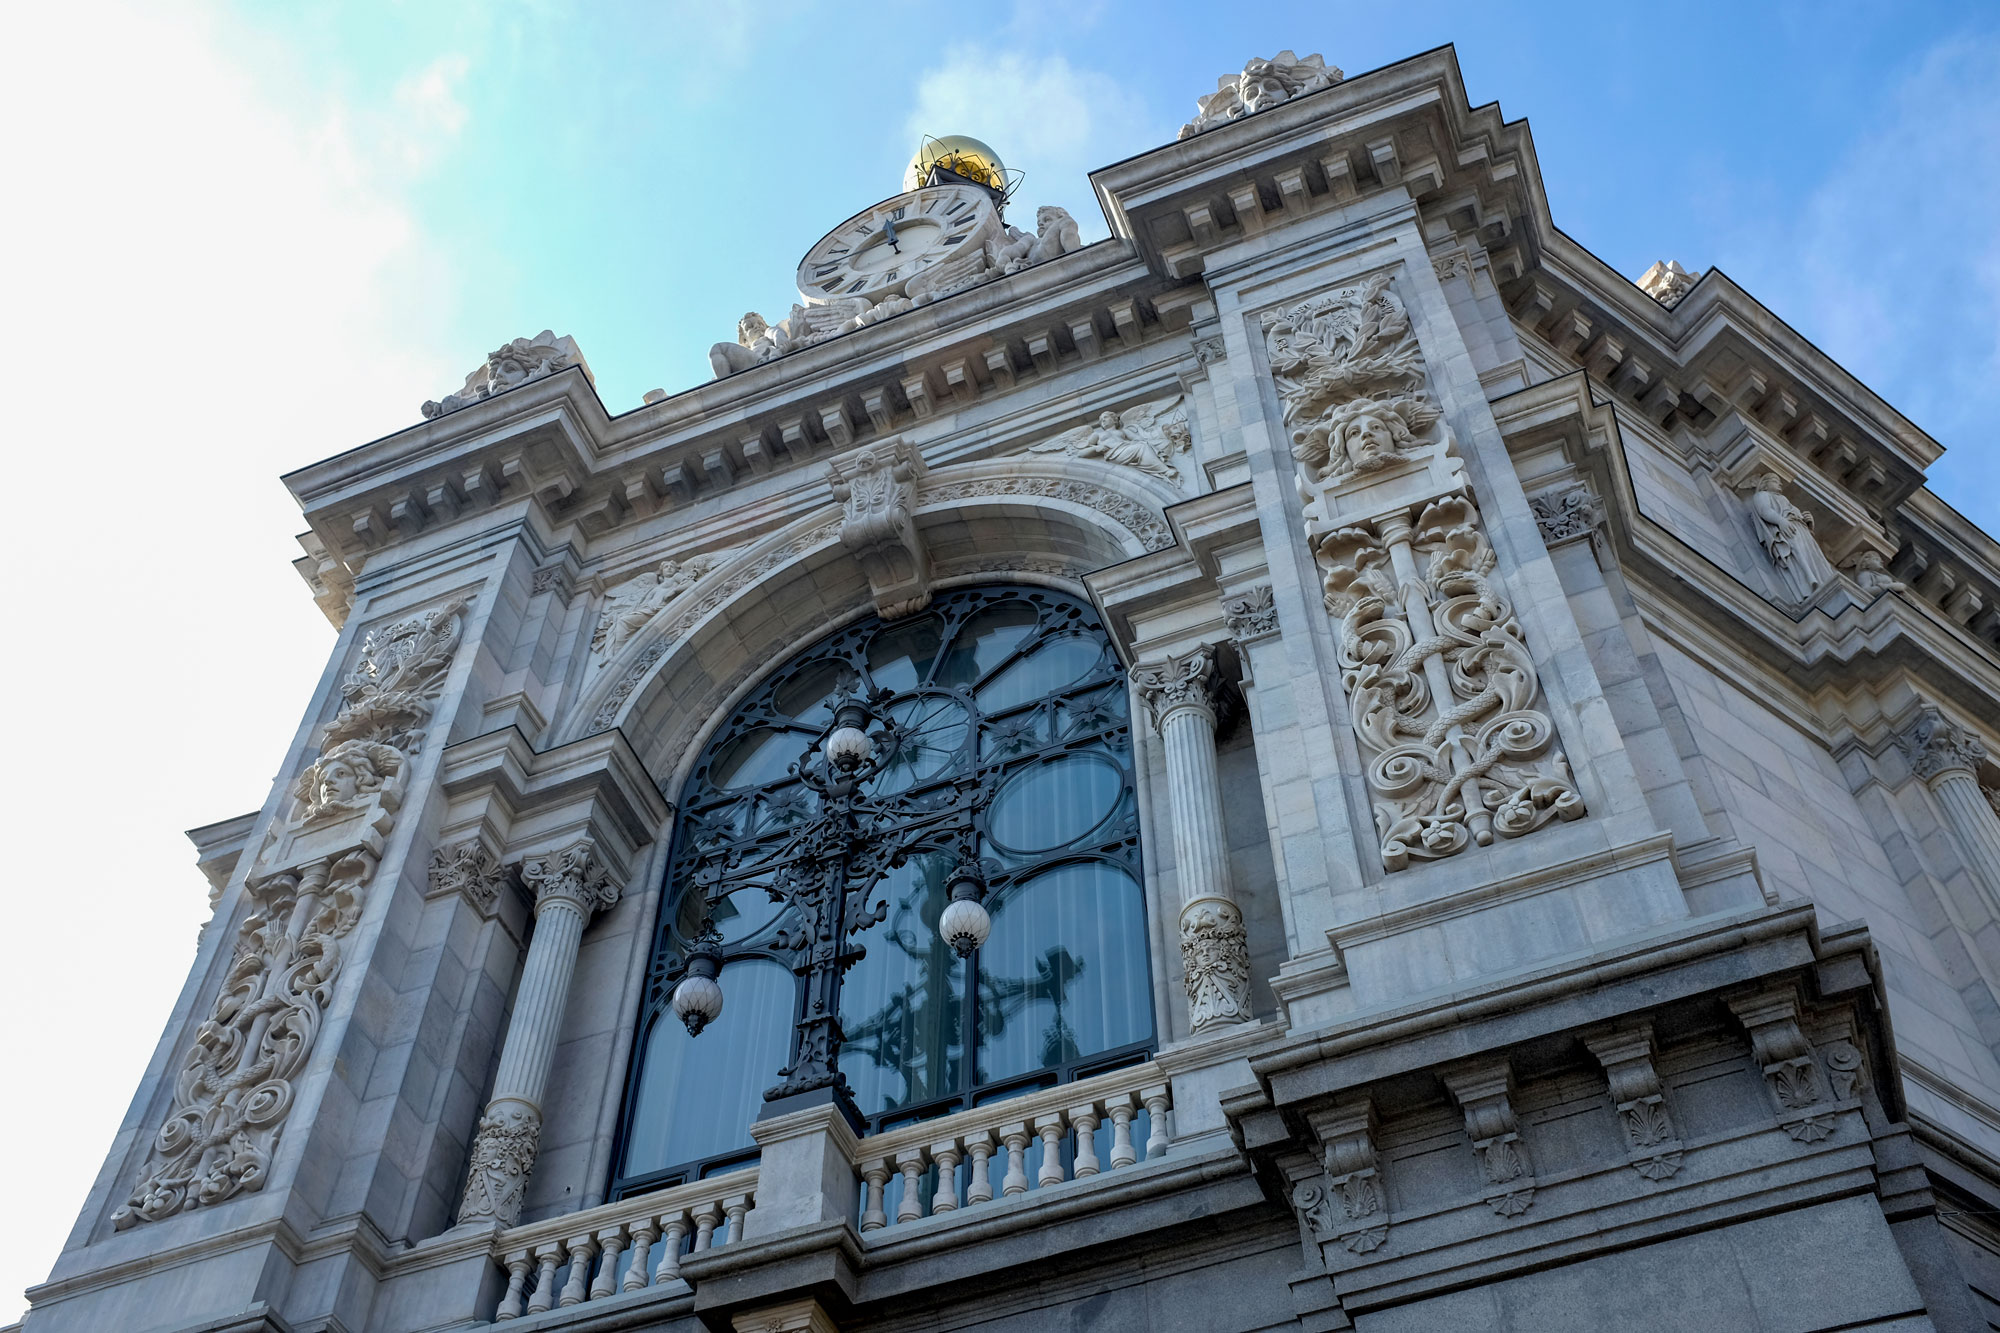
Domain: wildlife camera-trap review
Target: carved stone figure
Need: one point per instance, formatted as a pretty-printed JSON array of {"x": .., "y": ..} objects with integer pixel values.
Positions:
[
  {"x": 1667, "y": 282},
  {"x": 756, "y": 342},
  {"x": 306, "y": 892},
  {"x": 877, "y": 491},
  {"x": 1056, "y": 234},
  {"x": 347, "y": 778},
  {"x": 1262, "y": 84},
  {"x": 506, "y": 367},
  {"x": 1440, "y": 686},
  {"x": 1872, "y": 574},
  {"x": 1348, "y": 371},
  {"x": 638, "y": 600},
  {"x": 1146, "y": 438},
  {"x": 1785, "y": 532}
]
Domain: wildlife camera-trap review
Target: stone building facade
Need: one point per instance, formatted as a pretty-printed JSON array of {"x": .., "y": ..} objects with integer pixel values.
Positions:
[{"x": 1327, "y": 761}]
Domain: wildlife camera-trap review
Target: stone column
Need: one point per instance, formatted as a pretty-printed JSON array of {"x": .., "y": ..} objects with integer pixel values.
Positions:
[
  {"x": 1215, "y": 955},
  {"x": 569, "y": 887},
  {"x": 1947, "y": 757}
]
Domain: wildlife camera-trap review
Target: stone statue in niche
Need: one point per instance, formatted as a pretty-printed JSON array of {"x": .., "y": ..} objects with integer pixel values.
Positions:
[
  {"x": 1349, "y": 374},
  {"x": 1146, "y": 438},
  {"x": 1262, "y": 84},
  {"x": 632, "y": 607},
  {"x": 1785, "y": 532}
]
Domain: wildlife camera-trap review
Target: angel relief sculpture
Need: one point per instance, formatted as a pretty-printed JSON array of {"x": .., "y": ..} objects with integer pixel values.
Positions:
[
  {"x": 1350, "y": 376},
  {"x": 1147, "y": 438},
  {"x": 635, "y": 602}
]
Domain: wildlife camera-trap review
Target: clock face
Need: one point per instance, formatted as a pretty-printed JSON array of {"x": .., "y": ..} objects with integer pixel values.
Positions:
[{"x": 875, "y": 253}]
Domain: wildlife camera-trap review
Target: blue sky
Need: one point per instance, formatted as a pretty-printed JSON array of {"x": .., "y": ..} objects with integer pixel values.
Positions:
[{"x": 244, "y": 237}]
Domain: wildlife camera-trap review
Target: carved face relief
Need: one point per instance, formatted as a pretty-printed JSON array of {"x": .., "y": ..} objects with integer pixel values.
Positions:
[{"x": 1369, "y": 442}]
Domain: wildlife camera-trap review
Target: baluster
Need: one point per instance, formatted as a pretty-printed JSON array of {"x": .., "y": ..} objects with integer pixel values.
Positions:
[
  {"x": 1050, "y": 1127},
  {"x": 1155, "y": 1098},
  {"x": 733, "y": 1208},
  {"x": 705, "y": 1223},
  {"x": 1122, "y": 1151},
  {"x": 518, "y": 1264},
  {"x": 643, "y": 1236},
  {"x": 550, "y": 1258},
  {"x": 1083, "y": 1119},
  {"x": 1015, "y": 1136},
  {"x": 979, "y": 1189},
  {"x": 945, "y": 1156},
  {"x": 582, "y": 1249},
  {"x": 910, "y": 1162},
  {"x": 611, "y": 1241},
  {"x": 874, "y": 1196},
  {"x": 670, "y": 1249}
]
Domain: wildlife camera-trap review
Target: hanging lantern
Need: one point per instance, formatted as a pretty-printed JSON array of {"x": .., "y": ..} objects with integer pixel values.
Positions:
[
  {"x": 698, "y": 998},
  {"x": 847, "y": 746},
  {"x": 965, "y": 924}
]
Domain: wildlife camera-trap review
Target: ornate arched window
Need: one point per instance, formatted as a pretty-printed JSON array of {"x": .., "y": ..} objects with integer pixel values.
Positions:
[{"x": 1001, "y": 740}]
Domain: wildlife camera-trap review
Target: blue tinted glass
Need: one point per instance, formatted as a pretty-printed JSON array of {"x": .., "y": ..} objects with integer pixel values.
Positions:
[
  {"x": 1064, "y": 973},
  {"x": 900, "y": 1006},
  {"x": 984, "y": 641},
  {"x": 1052, "y": 665},
  {"x": 900, "y": 657},
  {"x": 698, "y": 1096},
  {"x": 1051, "y": 805}
]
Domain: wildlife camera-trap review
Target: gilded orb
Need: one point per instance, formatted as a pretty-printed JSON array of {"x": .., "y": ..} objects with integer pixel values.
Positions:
[{"x": 958, "y": 153}]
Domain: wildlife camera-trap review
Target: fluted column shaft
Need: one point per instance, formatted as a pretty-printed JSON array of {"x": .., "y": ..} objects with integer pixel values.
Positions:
[
  {"x": 1181, "y": 692},
  {"x": 1947, "y": 757},
  {"x": 569, "y": 886}
]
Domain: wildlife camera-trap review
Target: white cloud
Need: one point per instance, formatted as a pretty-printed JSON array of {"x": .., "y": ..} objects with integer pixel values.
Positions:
[
  {"x": 1893, "y": 265},
  {"x": 1043, "y": 115},
  {"x": 207, "y": 286}
]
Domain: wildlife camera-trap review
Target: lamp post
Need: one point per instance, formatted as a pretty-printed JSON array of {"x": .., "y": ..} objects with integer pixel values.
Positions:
[{"x": 827, "y": 870}]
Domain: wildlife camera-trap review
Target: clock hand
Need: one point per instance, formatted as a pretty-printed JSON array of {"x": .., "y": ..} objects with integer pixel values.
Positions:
[{"x": 889, "y": 234}]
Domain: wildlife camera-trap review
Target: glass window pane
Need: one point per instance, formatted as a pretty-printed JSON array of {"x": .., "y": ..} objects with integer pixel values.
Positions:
[
  {"x": 985, "y": 640},
  {"x": 900, "y": 657},
  {"x": 900, "y": 1006},
  {"x": 806, "y": 696},
  {"x": 1052, "y": 666},
  {"x": 1051, "y": 805},
  {"x": 927, "y": 735},
  {"x": 760, "y": 755},
  {"x": 698, "y": 1095},
  {"x": 1064, "y": 973}
]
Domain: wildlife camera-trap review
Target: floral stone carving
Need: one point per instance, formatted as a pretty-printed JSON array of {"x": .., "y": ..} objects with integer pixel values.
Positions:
[
  {"x": 508, "y": 367},
  {"x": 1262, "y": 84},
  {"x": 1667, "y": 282},
  {"x": 1215, "y": 963},
  {"x": 307, "y": 891},
  {"x": 1349, "y": 374},
  {"x": 503, "y": 1152},
  {"x": 1936, "y": 745},
  {"x": 637, "y": 601},
  {"x": 1440, "y": 686},
  {"x": 1252, "y": 614},
  {"x": 470, "y": 870},
  {"x": 1565, "y": 513},
  {"x": 1144, "y": 438}
]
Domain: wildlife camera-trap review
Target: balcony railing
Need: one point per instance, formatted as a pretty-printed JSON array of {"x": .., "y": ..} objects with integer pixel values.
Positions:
[
  {"x": 623, "y": 1246},
  {"x": 1070, "y": 1132}
]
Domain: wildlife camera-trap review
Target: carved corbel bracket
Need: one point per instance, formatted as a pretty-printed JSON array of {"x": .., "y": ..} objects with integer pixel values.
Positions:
[
  {"x": 1627, "y": 1057},
  {"x": 1483, "y": 1093},
  {"x": 877, "y": 492},
  {"x": 1781, "y": 1050},
  {"x": 1348, "y": 1203}
]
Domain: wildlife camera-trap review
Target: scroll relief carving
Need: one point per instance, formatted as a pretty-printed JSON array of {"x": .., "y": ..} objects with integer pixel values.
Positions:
[
  {"x": 1441, "y": 689},
  {"x": 1251, "y": 615},
  {"x": 307, "y": 889},
  {"x": 1636, "y": 1094},
  {"x": 637, "y": 602},
  {"x": 1509, "y": 1180},
  {"x": 1781, "y": 1050},
  {"x": 1262, "y": 84},
  {"x": 1346, "y": 1204},
  {"x": 1146, "y": 439}
]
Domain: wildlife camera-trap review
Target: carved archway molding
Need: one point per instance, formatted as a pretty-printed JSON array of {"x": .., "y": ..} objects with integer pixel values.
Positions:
[{"x": 666, "y": 686}]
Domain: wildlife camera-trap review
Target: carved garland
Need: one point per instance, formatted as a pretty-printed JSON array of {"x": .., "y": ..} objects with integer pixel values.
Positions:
[{"x": 238, "y": 1082}]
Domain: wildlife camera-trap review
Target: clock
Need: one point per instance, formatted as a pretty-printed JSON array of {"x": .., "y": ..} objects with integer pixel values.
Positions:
[{"x": 876, "y": 253}]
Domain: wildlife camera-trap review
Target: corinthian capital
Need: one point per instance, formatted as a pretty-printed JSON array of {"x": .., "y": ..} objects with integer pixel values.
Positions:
[
  {"x": 1935, "y": 745},
  {"x": 1188, "y": 681},
  {"x": 573, "y": 875}
]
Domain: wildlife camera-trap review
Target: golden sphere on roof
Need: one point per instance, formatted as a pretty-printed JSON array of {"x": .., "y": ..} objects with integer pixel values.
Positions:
[{"x": 958, "y": 153}]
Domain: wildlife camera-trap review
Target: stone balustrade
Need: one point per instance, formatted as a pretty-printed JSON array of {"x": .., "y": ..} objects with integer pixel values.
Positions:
[
  {"x": 619, "y": 1247},
  {"x": 1071, "y": 1132}
]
